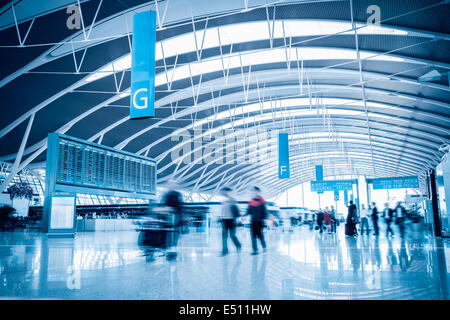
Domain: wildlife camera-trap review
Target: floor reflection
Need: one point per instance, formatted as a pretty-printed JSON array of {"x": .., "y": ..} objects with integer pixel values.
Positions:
[{"x": 299, "y": 265}]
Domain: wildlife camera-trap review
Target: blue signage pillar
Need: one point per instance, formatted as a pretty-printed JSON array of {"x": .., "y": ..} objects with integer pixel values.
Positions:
[
  {"x": 142, "y": 96},
  {"x": 283, "y": 156}
]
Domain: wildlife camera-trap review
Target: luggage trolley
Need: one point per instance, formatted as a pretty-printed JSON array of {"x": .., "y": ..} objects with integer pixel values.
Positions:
[{"x": 158, "y": 233}]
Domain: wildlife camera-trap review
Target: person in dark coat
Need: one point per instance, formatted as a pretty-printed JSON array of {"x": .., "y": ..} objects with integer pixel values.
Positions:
[
  {"x": 320, "y": 219},
  {"x": 375, "y": 218},
  {"x": 258, "y": 212},
  {"x": 173, "y": 199},
  {"x": 352, "y": 218}
]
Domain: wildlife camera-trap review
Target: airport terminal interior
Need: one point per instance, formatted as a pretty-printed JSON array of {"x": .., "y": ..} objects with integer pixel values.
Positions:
[{"x": 224, "y": 150}]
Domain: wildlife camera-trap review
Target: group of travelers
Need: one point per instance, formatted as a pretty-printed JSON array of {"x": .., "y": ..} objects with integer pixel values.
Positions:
[
  {"x": 257, "y": 211},
  {"x": 397, "y": 215},
  {"x": 229, "y": 214},
  {"x": 327, "y": 219}
]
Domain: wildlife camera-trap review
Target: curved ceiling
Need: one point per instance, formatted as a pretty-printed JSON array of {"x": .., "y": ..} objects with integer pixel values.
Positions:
[{"x": 232, "y": 75}]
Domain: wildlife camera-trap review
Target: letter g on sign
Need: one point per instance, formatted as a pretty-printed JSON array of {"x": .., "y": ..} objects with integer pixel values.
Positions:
[{"x": 142, "y": 99}]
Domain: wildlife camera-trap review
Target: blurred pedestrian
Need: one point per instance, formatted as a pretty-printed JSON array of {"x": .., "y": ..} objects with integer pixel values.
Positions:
[
  {"x": 327, "y": 218},
  {"x": 375, "y": 218},
  {"x": 400, "y": 216},
  {"x": 320, "y": 218},
  {"x": 174, "y": 200},
  {"x": 333, "y": 219},
  {"x": 387, "y": 215},
  {"x": 230, "y": 212},
  {"x": 258, "y": 212},
  {"x": 364, "y": 219}
]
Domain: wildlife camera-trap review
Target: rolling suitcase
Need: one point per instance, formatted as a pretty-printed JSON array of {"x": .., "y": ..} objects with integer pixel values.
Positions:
[{"x": 349, "y": 230}]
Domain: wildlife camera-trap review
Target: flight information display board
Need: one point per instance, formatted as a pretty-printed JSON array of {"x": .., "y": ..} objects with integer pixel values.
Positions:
[
  {"x": 332, "y": 185},
  {"x": 394, "y": 183},
  {"x": 75, "y": 166},
  {"x": 84, "y": 164}
]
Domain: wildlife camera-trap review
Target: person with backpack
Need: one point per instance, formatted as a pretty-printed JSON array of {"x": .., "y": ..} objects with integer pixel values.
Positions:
[
  {"x": 258, "y": 212},
  {"x": 230, "y": 212}
]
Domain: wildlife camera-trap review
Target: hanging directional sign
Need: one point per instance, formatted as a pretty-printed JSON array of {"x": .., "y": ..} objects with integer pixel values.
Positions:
[
  {"x": 142, "y": 96},
  {"x": 394, "y": 183},
  {"x": 283, "y": 156},
  {"x": 319, "y": 173},
  {"x": 332, "y": 185}
]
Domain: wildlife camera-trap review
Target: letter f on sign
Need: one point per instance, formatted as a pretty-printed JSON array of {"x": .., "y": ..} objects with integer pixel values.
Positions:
[{"x": 283, "y": 156}]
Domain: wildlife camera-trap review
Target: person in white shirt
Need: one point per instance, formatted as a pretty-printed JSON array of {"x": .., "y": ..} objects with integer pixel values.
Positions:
[
  {"x": 364, "y": 215},
  {"x": 230, "y": 212}
]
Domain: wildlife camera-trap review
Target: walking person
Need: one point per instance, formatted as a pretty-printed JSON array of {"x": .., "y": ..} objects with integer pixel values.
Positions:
[
  {"x": 364, "y": 219},
  {"x": 258, "y": 212},
  {"x": 174, "y": 200},
  {"x": 387, "y": 215},
  {"x": 375, "y": 218},
  {"x": 320, "y": 219},
  {"x": 230, "y": 212},
  {"x": 327, "y": 218},
  {"x": 400, "y": 216},
  {"x": 333, "y": 219},
  {"x": 352, "y": 218}
]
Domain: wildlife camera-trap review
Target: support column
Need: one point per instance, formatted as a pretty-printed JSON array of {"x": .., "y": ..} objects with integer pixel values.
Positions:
[
  {"x": 303, "y": 196},
  {"x": 16, "y": 165},
  {"x": 358, "y": 203},
  {"x": 446, "y": 180},
  {"x": 319, "y": 200},
  {"x": 434, "y": 200}
]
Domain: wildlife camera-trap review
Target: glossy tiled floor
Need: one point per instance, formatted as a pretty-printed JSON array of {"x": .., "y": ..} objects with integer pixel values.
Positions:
[{"x": 298, "y": 265}]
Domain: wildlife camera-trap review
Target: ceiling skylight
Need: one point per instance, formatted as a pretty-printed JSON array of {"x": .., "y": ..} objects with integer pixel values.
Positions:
[{"x": 248, "y": 32}]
